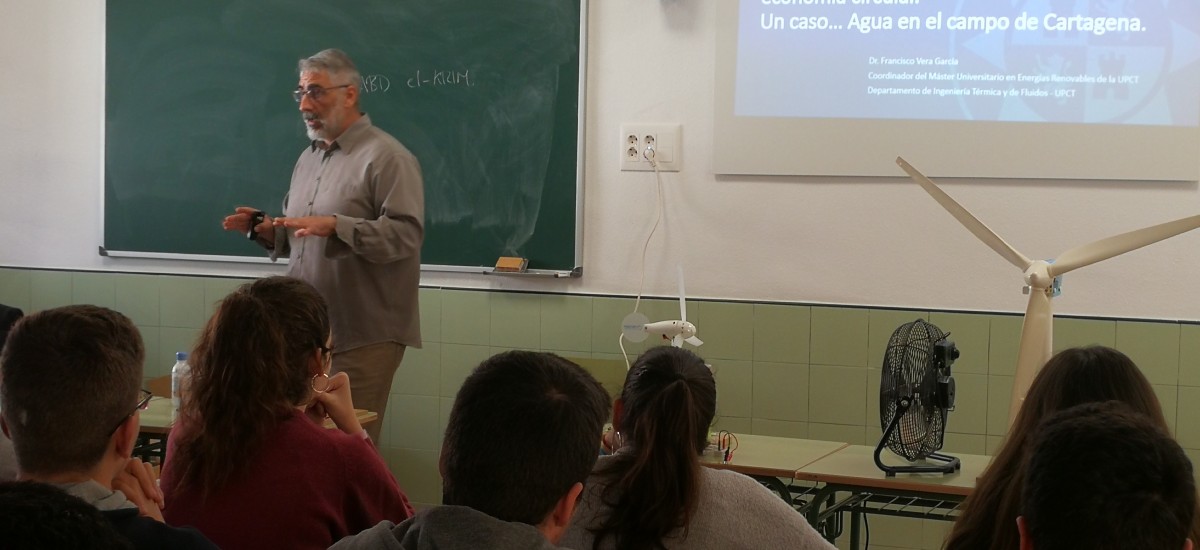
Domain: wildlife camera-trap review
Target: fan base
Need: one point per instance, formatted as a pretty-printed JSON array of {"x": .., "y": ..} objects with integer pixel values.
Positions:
[{"x": 950, "y": 464}]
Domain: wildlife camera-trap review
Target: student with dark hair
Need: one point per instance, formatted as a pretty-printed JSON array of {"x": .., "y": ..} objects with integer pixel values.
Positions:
[
  {"x": 248, "y": 461},
  {"x": 1071, "y": 377},
  {"x": 522, "y": 437},
  {"x": 1103, "y": 477},
  {"x": 70, "y": 382},
  {"x": 653, "y": 493},
  {"x": 37, "y": 516}
]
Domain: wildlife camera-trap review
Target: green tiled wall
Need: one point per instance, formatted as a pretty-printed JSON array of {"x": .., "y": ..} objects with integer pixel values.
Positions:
[{"x": 783, "y": 370}]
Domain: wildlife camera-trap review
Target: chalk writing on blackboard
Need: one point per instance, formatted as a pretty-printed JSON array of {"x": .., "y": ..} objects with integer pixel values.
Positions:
[
  {"x": 375, "y": 83},
  {"x": 441, "y": 78}
]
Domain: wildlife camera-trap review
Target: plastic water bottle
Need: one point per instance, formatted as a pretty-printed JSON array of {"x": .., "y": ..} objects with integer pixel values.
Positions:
[{"x": 181, "y": 375}]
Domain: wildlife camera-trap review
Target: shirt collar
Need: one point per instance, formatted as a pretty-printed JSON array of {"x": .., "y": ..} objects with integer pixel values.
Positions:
[
  {"x": 97, "y": 495},
  {"x": 351, "y": 137}
]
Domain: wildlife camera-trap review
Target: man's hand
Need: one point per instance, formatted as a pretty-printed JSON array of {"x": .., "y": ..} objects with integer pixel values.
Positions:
[
  {"x": 240, "y": 221},
  {"x": 139, "y": 483},
  {"x": 310, "y": 226}
]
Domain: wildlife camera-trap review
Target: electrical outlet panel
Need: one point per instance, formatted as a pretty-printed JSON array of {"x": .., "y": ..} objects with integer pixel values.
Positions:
[{"x": 641, "y": 142}]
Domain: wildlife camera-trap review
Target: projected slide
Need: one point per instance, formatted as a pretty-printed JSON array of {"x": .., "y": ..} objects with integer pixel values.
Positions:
[{"x": 1125, "y": 62}]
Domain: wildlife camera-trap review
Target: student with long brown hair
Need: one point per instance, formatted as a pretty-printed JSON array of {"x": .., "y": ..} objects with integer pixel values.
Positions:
[
  {"x": 1071, "y": 377},
  {"x": 653, "y": 492},
  {"x": 248, "y": 462}
]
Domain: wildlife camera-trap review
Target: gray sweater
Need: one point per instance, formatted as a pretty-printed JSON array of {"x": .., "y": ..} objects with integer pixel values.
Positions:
[
  {"x": 447, "y": 528},
  {"x": 734, "y": 512}
]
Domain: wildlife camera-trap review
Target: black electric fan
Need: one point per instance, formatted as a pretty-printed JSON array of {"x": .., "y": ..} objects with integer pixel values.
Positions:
[{"x": 915, "y": 394}]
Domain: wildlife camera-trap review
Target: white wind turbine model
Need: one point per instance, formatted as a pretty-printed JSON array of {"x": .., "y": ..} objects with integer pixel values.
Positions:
[
  {"x": 636, "y": 326},
  {"x": 1043, "y": 277}
]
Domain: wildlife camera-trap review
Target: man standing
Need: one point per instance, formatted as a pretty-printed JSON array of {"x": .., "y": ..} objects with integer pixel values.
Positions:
[{"x": 352, "y": 227}]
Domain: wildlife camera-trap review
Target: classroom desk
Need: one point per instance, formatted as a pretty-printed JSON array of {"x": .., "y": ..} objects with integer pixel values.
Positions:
[
  {"x": 761, "y": 455},
  {"x": 767, "y": 459},
  {"x": 156, "y": 424},
  {"x": 851, "y": 474}
]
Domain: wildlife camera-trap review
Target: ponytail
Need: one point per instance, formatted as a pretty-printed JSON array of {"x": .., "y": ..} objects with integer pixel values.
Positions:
[{"x": 654, "y": 486}]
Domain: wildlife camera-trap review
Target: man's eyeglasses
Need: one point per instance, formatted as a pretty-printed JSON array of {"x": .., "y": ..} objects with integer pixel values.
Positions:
[
  {"x": 142, "y": 405},
  {"x": 313, "y": 92}
]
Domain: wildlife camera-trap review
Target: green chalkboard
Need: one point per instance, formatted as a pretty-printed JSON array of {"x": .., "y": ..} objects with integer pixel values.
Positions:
[{"x": 484, "y": 92}]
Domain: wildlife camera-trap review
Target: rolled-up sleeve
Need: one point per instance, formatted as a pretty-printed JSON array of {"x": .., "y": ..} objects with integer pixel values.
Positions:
[{"x": 397, "y": 232}]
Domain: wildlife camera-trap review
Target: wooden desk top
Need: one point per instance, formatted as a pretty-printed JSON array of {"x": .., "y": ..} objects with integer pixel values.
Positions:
[
  {"x": 855, "y": 466},
  {"x": 156, "y": 419},
  {"x": 762, "y": 455}
]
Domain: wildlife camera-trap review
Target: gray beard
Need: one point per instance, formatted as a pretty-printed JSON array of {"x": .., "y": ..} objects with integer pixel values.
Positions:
[{"x": 324, "y": 133}]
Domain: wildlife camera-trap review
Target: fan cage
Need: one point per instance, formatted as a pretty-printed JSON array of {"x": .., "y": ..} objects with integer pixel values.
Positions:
[{"x": 908, "y": 373}]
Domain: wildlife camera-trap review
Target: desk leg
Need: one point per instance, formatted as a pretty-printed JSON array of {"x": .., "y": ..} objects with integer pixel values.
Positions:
[
  {"x": 151, "y": 448},
  {"x": 823, "y": 500},
  {"x": 855, "y": 524},
  {"x": 777, "y": 486},
  {"x": 814, "y": 509}
]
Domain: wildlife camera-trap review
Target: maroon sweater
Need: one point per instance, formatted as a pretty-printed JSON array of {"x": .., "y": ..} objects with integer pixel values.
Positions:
[{"x": 306, "y": 487}]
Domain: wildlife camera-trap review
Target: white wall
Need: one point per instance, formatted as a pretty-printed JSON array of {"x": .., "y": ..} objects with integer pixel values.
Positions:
[{"x": 843, "y": 241}]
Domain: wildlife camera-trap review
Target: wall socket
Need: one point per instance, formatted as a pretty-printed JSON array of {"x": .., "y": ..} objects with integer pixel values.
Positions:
[{"x": 640, "y": 140}]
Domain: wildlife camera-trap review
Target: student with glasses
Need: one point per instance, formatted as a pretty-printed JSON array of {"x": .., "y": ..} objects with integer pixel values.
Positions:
[
  {"x": 352, "y": 226},
  {"x": 248, "y": 461},
  {"x": 70, "y": 382}
]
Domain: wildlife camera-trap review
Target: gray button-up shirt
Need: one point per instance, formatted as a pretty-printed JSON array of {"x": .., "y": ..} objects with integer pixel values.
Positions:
[{"x": 370, "y": 269}]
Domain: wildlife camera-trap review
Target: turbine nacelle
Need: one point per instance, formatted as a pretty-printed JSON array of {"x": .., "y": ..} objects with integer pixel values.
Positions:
[
  {"x": 1038, "y": 275},
  {"x": 636, "y": 328},
  {"x": 671, "y": 329}
]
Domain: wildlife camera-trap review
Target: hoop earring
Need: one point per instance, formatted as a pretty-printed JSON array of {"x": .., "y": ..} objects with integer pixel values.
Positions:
[
  {"x": 324, "y": 386},
  {"x": 618, "y": 441}
]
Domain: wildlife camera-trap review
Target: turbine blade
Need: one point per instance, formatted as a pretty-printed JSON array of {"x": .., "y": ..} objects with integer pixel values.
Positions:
[
  {"x": 677, "y": 341},
  {"x": 682, "y": 302},
  {"x": 1116, "y": 245},
  {"x": 695, "y": 341},
  {"x": 968, "y": 220},
  {"x": 1036, "y": 345}
]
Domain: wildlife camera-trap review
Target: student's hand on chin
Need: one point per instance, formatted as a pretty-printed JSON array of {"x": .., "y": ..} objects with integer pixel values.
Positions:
[
  {"x": 316, "y": 412},
  {"x": 139, "y": 483}
]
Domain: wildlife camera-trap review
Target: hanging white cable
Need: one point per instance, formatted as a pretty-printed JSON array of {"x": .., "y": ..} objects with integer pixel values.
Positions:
[
  {"x": 649, "y": 155},
  {"x": 658, "y": 208}
]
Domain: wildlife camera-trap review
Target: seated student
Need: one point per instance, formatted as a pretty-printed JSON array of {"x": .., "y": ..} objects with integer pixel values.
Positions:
[
  {"x": 8, "y": 458},
  {"x": 1071, "y": 377},
  {"x": 70, "y": 382},
  {"x": 520, "y": 442},
  {"x": 248, "y": 462},
  {"x": 1102, "y": 477},
  {"x": 37, "y": 516},
  {"x": 653, "y": 492}
]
